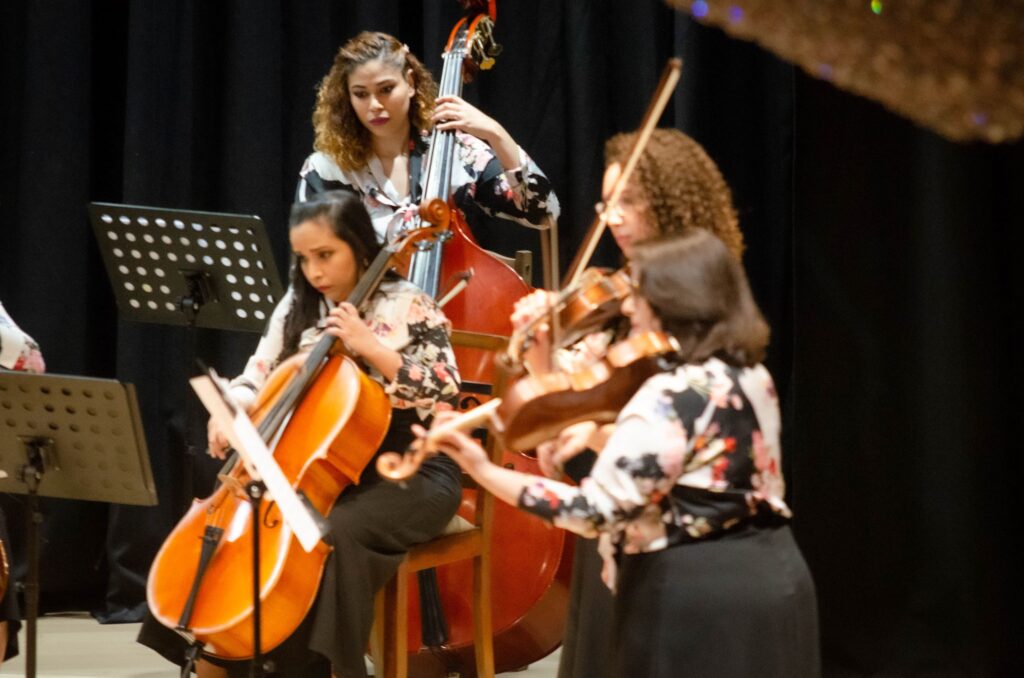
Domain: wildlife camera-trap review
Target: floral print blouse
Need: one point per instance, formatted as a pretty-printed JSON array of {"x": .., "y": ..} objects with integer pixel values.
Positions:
[
  {"x": 521, "y": 194},
  {"x": 18, "y": 351},
  {"x": 404, "y": 319},
  {"x": 694, "y": 453}
]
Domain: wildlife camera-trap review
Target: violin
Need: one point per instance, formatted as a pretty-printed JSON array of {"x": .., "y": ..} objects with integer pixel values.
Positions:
[
  {"x": 537, "y": 408},
  {"x": 577, "y": 311},
  {"x": 597, "y": 300}
]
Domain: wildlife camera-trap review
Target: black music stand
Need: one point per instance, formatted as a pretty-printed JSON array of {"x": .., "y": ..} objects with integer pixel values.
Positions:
[
  {"x": 197, "y": 269},
  {"x": 71, "y": 438}
]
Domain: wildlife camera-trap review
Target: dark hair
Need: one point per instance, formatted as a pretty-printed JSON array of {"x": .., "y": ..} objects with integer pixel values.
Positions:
[
  {"x": 699, "y": 291},
  {"x": 343, "y": 212},
  {"x": 339, "y": 133},
  {"x": 682, "y": 184}
]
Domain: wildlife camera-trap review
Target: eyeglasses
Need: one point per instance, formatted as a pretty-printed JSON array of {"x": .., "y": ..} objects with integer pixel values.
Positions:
[{"x": 624, "y": 205}]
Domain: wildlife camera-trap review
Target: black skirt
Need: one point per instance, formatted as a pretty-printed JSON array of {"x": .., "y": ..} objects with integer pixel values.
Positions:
[
  {"x": 737, "y": 606},
  {"x": 373, "y": 524},
  {"x": 586, "y": 649}
]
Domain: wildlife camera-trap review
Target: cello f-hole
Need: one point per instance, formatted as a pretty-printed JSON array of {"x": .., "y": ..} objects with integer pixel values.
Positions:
[{"x": 267, "y": 522}]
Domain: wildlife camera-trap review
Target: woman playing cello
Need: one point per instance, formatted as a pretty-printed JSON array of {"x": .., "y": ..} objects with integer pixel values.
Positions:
[
  {"x": 401, "y": 337},
  {"x": 374, "y": 111},
  {"x": 709, "y": 580}
]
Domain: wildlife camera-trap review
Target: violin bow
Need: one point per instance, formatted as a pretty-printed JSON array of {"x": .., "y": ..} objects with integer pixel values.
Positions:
[{"x": 669, "y": 78}]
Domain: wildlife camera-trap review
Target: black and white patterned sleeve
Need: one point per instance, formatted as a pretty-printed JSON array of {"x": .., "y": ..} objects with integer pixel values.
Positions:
[
  {"x": 319, "y": 174},
  {"x": 641, "y": 462},
  {"x": 428, "y": 378},
  {"x": 522, "y": 194},
  {"x": 18, "y": 351}
]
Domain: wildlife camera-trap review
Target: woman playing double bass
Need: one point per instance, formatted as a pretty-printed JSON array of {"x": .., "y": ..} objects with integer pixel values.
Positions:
[
  {"x": 386, "y": 130},
  {"x": 709, "y": 580},
  {"x": 401, "y": 338},
  {"x": 374, "y": 111}
]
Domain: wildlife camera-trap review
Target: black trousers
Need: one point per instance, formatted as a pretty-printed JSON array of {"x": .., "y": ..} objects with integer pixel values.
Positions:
[{"x": 373, "y": 524}]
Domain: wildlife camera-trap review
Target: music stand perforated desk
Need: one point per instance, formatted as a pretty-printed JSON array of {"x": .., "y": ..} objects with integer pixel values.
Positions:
[
  {"x": 188, "y": 268},
  {"x": 70, "y": 438},
  {"x": 182, "y": 267}
]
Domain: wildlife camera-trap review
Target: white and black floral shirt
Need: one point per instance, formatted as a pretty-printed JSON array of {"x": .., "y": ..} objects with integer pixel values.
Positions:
[
  {"x": 694, "y": 453},
  {"x": 404, "y": 319},
  {"x": 18, "y": 351},
  {"x": 521, "y": 194}
]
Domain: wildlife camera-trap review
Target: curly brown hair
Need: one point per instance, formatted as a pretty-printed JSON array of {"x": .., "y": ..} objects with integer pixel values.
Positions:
[
  {"x": 683, "y": 186},
  {"x": 339, "y": 133}
]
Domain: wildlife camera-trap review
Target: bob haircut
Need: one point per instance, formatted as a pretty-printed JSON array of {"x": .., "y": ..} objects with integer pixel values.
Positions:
[
  {"x": 343, "y": 212},
  {"x": 699, "y": 292}
]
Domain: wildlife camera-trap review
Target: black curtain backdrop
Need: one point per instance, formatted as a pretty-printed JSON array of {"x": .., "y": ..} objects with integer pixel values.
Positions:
[{"x": 883, "y": 256}]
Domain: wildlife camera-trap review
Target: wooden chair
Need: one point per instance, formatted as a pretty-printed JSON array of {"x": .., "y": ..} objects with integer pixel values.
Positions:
[
  {"x": 462, "y": 540},
  {"x": 390, "y": 630}
]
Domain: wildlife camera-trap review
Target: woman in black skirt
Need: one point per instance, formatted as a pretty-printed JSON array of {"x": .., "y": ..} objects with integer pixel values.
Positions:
[
  {"x": 708, "y": 579},
  {"x": 401, "y": 338},
  {"x": 675, "y": 187}
]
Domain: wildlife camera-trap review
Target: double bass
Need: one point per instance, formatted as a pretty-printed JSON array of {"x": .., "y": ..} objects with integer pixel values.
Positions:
[{"x": 532, "y": 559}]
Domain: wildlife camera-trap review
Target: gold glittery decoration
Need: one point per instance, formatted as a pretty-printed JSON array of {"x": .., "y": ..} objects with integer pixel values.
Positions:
[{"x": 955, "y": 66}]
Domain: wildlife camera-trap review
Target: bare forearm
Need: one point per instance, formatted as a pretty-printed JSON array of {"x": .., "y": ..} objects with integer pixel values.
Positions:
[
  {"x": 505, "y": 148},
  {"x": 387, "y": 361}
]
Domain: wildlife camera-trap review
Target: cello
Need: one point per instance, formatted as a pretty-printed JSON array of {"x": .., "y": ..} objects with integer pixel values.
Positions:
[
  {"x": 324, "y": 418},
  {"x": 530, "y": 595}
]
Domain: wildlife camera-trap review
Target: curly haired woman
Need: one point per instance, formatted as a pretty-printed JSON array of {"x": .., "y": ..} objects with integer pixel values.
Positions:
[
  {"x": 374, "y": 113},
  {"x": 675, "y": 188}
]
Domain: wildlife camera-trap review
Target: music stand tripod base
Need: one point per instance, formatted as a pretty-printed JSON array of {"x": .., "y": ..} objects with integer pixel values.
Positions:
[{"x": 70, "y": 438}]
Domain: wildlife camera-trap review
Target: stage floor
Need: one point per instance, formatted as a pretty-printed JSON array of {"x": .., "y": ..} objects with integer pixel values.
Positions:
[{"x": 75, "y": 646}]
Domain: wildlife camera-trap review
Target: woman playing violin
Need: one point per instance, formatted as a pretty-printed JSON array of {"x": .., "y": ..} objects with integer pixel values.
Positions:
[
  {"x": 375, "y": 109},
  {"x": 401, "y": 338},
  {"x": 709, "y": 581},
  {"x": 675, "y": 187}
]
